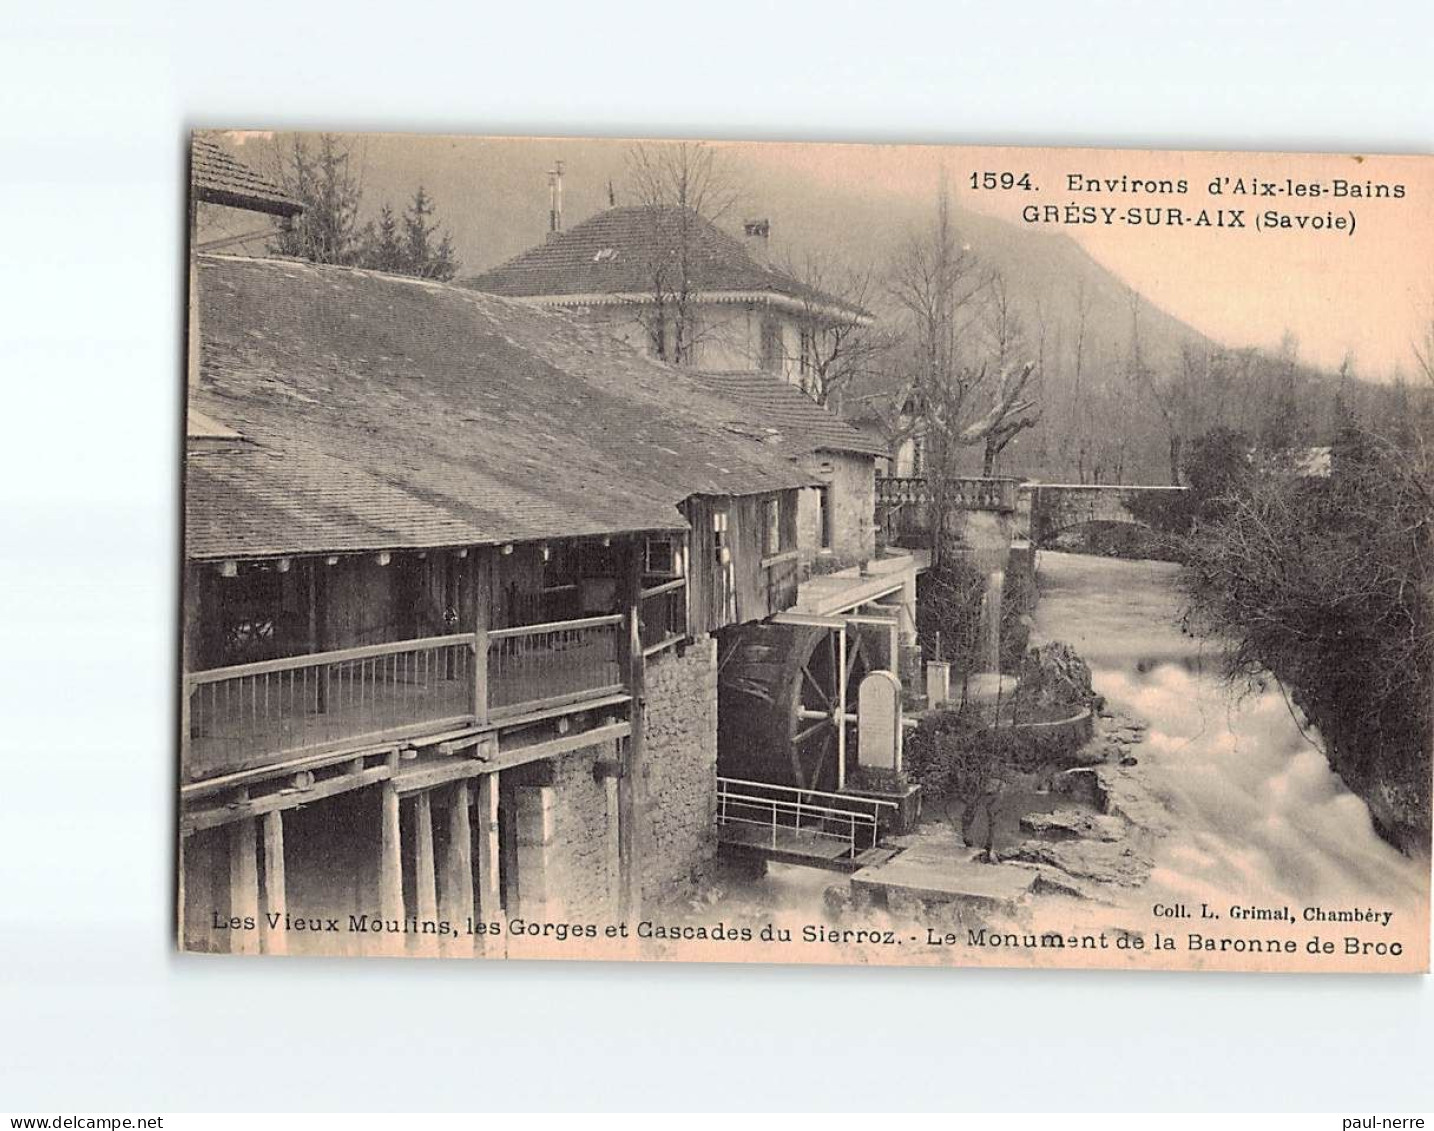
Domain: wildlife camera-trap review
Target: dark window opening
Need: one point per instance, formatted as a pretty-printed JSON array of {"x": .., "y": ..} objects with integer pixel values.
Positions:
[
  {"x": 771, "y": 527},
  {"x": 824, "y": 516}
]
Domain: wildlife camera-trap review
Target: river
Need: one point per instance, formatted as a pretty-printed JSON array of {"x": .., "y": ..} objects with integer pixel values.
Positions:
[
  {"x": 1255, "y": 814},
  {"x": 1230, "y": 798}
]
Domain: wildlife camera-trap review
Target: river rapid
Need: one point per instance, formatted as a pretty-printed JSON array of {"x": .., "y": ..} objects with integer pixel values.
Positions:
[{"x": 1254, "y": 815}]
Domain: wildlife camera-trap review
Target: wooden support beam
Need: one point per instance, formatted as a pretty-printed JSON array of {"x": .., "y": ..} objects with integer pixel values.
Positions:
[
  {"x": 457, "y": 891},
  {"x": 489, "y": 879},
  {"x": 275, "y": 937},
  {"x": 425, "y": 874},
  {"x": 244, "y": 886},
  {"x": 840, "y": 719},
  {"x": 633, "y": 665},
  {"x": 390, "y": 862},
  {"x": 197, "y": 819}
]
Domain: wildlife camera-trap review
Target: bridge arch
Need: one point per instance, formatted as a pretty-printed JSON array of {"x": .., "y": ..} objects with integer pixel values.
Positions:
[{"x": 1050, "y": 509}]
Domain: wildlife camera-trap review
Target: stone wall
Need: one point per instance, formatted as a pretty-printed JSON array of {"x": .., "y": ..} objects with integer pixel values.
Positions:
[
  {"x": 581, "y": 855},
  {"x": 851, "y": 481},
  {"x": 567, "y": 826},
  {"x": 679, "y": 836}
]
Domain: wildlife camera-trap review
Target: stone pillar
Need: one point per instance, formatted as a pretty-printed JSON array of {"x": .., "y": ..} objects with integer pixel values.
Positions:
[{"x": 537, "y": 897}]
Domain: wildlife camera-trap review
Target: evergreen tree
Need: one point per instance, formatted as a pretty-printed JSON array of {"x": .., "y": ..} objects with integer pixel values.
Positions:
[
  {"x": 320, "y": 176},
  {"x": 384, "y": 251}
]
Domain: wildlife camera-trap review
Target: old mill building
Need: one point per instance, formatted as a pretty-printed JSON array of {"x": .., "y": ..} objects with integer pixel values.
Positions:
[{"x": 460, "y": 577}]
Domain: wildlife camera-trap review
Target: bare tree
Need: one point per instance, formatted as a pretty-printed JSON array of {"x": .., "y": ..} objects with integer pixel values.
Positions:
[
  {"x": 684, "y": 188},
  {"x": 1007, "y": 338},
  {"x": 1169, "y": 392},
  {"x": 1081, "y": 417},
  {"x": 840, "y": 342},
  {"x": 942, "y": 288}
]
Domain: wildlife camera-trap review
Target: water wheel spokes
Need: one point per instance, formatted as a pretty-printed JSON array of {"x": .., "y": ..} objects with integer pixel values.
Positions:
[
  {"x": 811, "y": 681},
  {"x": 853, "y": 655},
  {"x": 816, "y": 727}
]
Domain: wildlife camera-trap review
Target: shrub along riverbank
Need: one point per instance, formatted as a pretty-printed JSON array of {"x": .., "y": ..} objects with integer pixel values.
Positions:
[{"x": 1323, "y": 578}]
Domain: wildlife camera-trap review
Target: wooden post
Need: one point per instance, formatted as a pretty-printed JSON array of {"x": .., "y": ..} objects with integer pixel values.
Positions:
[
  {"x": 612, "y": 845},
  {"x": 457, "y": 893},
  {"x": 192, "y": 613},
  {"x": 390, "y": 861},
  {"x": 489, "y": 892},
  {"x": 841, "y": 709},
  {"x": 275, "y": 937},
  {"x": 425, "y": 877},
  {"x": 316, "y": 630},
  {"x": 244, "y": 886},
  {"x": 179, "y": 894},
  {"x": 481, "y": 594},
  {"x": 629, "y": 787}
]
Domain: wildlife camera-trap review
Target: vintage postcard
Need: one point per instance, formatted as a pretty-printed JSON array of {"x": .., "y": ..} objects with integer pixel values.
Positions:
[{"x": 806, "y": 553}]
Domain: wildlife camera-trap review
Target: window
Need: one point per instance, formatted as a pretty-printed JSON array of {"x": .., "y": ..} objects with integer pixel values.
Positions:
[
  {"x": 661, "y": 558},
  {"x": 807, "y": 359},
  {"x": 771, "y": 359},
  {"x": 771, "y": 527},
  {"x": 824, "y": 515}
]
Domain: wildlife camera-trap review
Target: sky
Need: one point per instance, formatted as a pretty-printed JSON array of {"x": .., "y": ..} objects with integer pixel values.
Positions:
[
  {"x": 1337, "y": 293},
  {"x": 1363, "y": 291}
]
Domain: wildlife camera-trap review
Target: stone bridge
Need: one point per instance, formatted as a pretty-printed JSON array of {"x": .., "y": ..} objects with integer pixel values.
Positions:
[
  {"x": 1041, "y": 510},
  {"x": 1045, "y": 510}
]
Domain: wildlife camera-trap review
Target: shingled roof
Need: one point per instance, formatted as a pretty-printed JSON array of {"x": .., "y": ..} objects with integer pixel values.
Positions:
[
  {"x": 217, "y": 177},
  {"x": 380, "y": 412},
  {"x": 615, "y": 256},
  {"x": 793, "y": 420}
]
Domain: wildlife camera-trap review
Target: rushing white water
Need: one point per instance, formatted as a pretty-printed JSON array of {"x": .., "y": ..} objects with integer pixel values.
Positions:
[{"x": 1256, "y": 816}]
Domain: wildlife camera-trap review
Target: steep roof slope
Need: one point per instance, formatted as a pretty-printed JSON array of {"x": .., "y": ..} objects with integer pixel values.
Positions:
[
  {"x": 798, "y": 424},
  {"x": 217, "y": 177},
  {"x": 620, "y": 252},
  {"x": 382, "y": 412}
]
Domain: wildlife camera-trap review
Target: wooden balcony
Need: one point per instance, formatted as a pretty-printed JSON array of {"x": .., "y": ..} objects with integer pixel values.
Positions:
[{"x": 259, "y": 714}]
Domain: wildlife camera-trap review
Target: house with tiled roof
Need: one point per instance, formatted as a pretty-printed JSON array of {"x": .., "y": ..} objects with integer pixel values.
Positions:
[
  {"x": 678, "y": 286},
  {"x": 217, "y": 177},
  {"x": 455, "y": 570},
  {"x": 675, "y": 284},
  {"x": 232, "y": 206},
  {"x": 836, "y": 515}
]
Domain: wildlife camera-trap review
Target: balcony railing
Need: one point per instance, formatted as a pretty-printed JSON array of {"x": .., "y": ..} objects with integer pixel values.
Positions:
[
  {"x": 241, "y": 716},
  {"x": 662, "y": 615},
  {"x": 544, "y": 664},
  {"x": 259, "y": 714}
]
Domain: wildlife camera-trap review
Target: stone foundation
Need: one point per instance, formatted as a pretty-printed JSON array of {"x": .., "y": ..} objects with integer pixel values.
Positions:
[{"x": 679, "y": 832}]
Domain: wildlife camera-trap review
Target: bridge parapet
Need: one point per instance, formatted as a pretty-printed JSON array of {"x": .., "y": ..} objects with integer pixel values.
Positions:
[
  {"x": 1056, "y": 507},
  {"x": 966, "y": 492}
]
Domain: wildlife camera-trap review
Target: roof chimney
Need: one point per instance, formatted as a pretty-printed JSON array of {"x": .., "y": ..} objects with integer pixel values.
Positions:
[
  {"x": 555, "y": 199},
  {"x": 755, "y": 233}
]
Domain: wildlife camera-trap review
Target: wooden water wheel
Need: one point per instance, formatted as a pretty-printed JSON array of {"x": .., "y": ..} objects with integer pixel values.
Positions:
[{"x": 779, "y": 703}]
